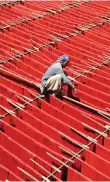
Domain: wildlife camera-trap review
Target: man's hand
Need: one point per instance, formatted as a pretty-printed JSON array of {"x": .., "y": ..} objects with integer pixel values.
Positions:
[
  {"x": 72, "y": 79},
  {"x": 75, "y": 90}
]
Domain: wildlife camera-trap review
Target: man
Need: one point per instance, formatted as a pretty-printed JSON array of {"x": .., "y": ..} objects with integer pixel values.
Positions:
[{"x": 55, "y": 77}]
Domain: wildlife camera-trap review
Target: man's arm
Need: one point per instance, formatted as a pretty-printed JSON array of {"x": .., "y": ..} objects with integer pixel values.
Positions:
[
  {"x": 73, "y": 79},
  {"x": 58, "y": 70},
  {"x": 67, "y": 81}
]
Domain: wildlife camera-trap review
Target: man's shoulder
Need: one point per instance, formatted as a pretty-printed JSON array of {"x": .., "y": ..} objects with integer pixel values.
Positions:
[{"x": 57, "y": 64}]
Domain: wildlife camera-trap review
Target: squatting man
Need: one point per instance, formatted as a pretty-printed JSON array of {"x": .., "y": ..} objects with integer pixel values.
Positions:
[{"x": 55, "y": 77}]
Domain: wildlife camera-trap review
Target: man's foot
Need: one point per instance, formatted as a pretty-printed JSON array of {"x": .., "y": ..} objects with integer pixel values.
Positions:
[{"x": 45, "y": 92}]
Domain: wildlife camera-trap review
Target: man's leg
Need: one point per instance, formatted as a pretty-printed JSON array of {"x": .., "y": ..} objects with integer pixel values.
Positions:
[
  {"x": 53, "y": 84},
  {"x": 69, "y": 94}
]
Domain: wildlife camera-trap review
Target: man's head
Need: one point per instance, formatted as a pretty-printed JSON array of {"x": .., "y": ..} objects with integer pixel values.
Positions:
[{"x": 64, "y": 60}]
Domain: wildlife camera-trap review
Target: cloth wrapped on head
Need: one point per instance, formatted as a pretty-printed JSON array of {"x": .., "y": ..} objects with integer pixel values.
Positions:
[{"x": 63, "y": 58}]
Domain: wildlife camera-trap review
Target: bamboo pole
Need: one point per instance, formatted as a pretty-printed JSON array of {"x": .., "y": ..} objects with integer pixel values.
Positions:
[
  {"x": 37, "y": 97},
  {"x": 15, "y": 105},
  {"x": 104, "y": 115},
  {"x": 26, "y": 173},
  {"x": 55, "y": 168},
  {"x": 6, "y": 3},
  {"x": 24, "y": 98},
  {"x": 46, "y": 45},
  {"x": 95, "y": 67},
  {"x": 7, "y": 110},
  {"x": 84, "y": 136},
  {"x": 45, "y": 179},
  {"x": 95, "y": 130},
  {"x": 56, "y": 159},
  {"x": 87, "y": 106},
  {"x": 73, "y": 141},
  {"x": 40, "y": 16},
  {"x": 70, "y": 152},
  {"x": 94, "y": 120},
  {"x": 18, "y": 77},
  {"x": 44, "y": 168},
  {"x": 6, "y": 180}
]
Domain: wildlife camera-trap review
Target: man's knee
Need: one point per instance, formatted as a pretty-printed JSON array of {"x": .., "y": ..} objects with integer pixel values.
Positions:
[{"x": 58, "y": 76}]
